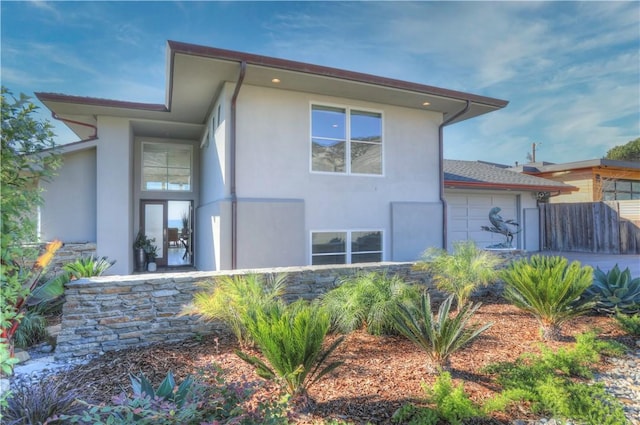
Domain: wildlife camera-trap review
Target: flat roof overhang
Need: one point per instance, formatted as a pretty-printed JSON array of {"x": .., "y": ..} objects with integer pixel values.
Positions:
[{"x": 196, "y": 74}]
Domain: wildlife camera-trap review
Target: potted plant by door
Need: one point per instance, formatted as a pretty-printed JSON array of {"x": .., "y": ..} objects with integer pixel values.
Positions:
[
  {"x": 152, "y": 252},
  {"x": 139, "y": 251}
]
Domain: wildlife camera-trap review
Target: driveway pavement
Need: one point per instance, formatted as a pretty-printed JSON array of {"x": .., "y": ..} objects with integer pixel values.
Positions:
[{"x": 605, "y": 261}]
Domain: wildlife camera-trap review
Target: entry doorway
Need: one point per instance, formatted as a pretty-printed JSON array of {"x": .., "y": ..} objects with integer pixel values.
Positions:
[{"x": 170, "y": 223}]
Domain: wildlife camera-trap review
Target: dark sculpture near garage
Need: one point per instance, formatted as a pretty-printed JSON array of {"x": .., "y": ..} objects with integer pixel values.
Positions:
[{"x": 508, "y": 228}]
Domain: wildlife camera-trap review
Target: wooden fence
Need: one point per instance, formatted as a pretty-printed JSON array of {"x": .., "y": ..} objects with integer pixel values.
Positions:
[{"x": 588, "y": 227}]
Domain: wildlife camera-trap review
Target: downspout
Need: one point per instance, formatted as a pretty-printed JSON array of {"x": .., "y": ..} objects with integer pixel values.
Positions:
[
  {"x": 65, "y": 120},
  {"x": 441, "y": 165},
  {"x": 232, "y": 171}
]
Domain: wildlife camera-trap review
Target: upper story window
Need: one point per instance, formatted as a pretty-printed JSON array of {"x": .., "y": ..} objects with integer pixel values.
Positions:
[
  {"x": 166, "y": 167},
  {"x": 618, "y": 190},
  {"x": 345, "y": 140}
]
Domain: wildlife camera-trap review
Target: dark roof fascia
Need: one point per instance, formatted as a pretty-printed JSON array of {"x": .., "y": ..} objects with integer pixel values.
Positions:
[
  {"x": 453, "y": 184},
  {"x": 95, "y": 101},
  {"x": 270, "y": 62},
  {"x": 591, "y": 163}
]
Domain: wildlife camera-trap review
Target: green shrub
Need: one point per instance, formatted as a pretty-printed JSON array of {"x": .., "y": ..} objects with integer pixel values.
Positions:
[
  {"x": 88, "y": 267},
  {"x": 368, "y": 300},
  {"x": 441, "y": 335},
  {"x": 549, "y": 289},
  {"x": 462, "y": 271},
  {"x": 452, "y": 403},
  {"x": 548, "y": 383},
  {"x": 614, "y": 291},
  {"x": 291, "y": 339},
  {"x": 410, "y": 414},
  {"x": 230, "y": 299},
  {"x": 32, "y": 329},
  {"x": 39, "y": 403},
  {"x": 449, "y": 405},
  {"x": 630, "y": 324}
]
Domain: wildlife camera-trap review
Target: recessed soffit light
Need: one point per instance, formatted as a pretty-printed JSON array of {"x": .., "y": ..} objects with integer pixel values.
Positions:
[
  {"x": 275, "y": 80},
  {"x": 425, "y": 103}
]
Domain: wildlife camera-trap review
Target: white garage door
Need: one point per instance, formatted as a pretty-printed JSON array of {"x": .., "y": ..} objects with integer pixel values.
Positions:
[{"x": 467, "y": 213}]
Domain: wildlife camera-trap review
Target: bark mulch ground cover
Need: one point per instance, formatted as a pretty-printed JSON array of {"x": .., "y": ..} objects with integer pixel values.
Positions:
[{"x": 379, "y": 374}]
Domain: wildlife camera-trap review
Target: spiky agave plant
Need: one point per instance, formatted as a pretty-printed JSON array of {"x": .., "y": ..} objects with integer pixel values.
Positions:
[
  {"x": 549, "y": 288},
  {"x": 291, "y": 338},
  {"x": 614, "y": 291},
  {"x": 439, "y": 335}
]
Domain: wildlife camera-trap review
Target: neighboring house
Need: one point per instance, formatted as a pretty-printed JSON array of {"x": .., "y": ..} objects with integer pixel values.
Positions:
[
  {"x": 596, "y": 180},
  {"x": 259, "y": 162},
  {"x": 473, "y": 188}
]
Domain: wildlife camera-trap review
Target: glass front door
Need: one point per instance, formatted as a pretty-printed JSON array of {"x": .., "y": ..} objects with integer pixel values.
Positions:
[{"x": 170, "y": 224}]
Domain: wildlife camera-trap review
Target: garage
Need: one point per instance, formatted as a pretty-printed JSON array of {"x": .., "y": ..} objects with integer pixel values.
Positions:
[{"x": 468, "y": 212}]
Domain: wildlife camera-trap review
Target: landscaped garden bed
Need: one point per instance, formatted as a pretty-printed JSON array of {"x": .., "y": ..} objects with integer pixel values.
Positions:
[{"x": 379, "y": 374}]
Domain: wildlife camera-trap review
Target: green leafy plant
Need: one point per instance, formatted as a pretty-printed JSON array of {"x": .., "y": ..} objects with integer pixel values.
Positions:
[
  {"x": 88, "y": 267},
  {"x": 439, "y": 335},
  {"x": 231, "y": 299},
  {"x": 549, "y": 288},
  {"x": 28, "y": 155},
  {"x": 14, "y": 292},
  {"x": 462, "y": 271},
  {"x": 452, "y": 402},
  {"x": 40, "y": 403},
  {"x": 547, "y": 382},
  {"x": 53, "y": 288},
  {"x": 368, "y": 300},
  {"x": 448, "y": 404},
  {"x": 167, "y": 389},
  {"x": 629, "y": 323},
  {"x": 291, "y": 338},
  {"x": 614, "y": 291},
  {"x": 209, "y": 400},
  {"x": 32, "y": 329}
]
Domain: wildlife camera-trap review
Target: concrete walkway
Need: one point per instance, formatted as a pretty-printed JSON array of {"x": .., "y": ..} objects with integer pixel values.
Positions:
[{"x": 605, "y": 261}]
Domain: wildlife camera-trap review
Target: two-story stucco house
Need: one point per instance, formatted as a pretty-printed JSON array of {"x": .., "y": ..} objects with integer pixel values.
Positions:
[{"x": 257, "y": 162}]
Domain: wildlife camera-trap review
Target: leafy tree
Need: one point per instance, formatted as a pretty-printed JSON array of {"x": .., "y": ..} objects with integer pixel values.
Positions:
[
  {"x": 627, "y": 152},
  {"x": 28, "y": 156}
]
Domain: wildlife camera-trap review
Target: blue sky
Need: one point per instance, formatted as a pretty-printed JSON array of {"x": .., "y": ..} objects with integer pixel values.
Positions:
[{"x": 571, "y": 70}]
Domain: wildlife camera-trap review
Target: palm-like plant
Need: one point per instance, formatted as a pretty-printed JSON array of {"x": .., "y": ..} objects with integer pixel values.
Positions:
[
  {"x": 368, "y": 300},
  {"x": 462, "y": 271},
  {"x": 230, "y": 299},
  {"x": 291, "y": 339},
  {"x": 549, "y": 288},
  {"x": 439, "y": 335},
  {"x": 81, "y": 267}
]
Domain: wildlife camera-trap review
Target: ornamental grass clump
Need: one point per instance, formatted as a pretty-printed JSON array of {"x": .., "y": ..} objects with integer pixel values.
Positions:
[
  {"x": 462, "y": 271},
  {"x": 439, "y": 335},
  {"x": 291, "y": 338},
  {"x": 549, "y": 288},
  {"x": 231, "y": 299},
  {"x": 369, "y": 301}
]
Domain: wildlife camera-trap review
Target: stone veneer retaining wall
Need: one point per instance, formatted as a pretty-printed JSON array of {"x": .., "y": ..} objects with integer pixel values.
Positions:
[{"x": 116, "y": 312}]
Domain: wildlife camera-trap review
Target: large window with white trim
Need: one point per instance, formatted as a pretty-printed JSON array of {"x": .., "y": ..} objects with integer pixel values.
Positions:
[
  {"x": 166, "y": 167},
  {"x": 346, "y": 140},
  {"x": 346, "y": 247}
]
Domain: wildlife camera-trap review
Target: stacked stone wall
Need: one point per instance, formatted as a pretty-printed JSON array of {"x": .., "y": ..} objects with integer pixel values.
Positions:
[{"x": 117, "y": 312}]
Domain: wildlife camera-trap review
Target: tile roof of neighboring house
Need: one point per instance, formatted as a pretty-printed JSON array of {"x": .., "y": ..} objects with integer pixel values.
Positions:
[{"x": 481, "y": 175}]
